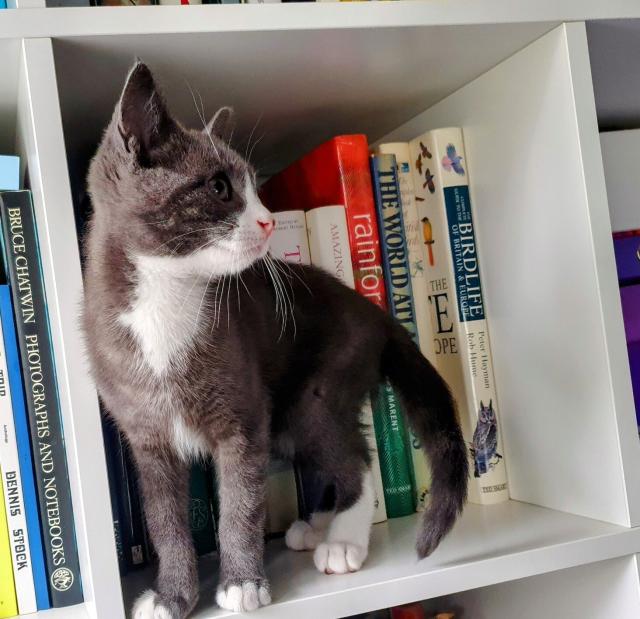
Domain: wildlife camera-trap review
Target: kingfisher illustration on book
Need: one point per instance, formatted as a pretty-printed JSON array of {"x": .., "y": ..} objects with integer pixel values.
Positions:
[
  {"x": 427, "y": 235},
  {"x": 485, "y": 441},
  {"x": 451, "y": 161}
]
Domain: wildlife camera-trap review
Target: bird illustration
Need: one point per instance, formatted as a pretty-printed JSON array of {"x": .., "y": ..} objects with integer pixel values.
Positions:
[
  {"x": 485, "y": 440},
  {"x": 429, "y": 181},
  {"x": 427, "y": 234},
  {"x": 416, "y": 268},
  {"x": 425, "y": 151},
  {"x": 419, "y": 164},
  {"x": 451, "y": 161}
]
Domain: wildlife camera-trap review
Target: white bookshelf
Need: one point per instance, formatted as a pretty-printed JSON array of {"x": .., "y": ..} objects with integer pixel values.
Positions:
[{"x": 518, "y": 79}]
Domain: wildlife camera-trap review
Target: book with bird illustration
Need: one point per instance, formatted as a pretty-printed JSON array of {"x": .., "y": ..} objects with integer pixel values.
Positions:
[{"x": 457, "y": 311}]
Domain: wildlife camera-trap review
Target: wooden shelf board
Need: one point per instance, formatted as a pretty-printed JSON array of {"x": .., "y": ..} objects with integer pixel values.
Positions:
[{"x": 489, "y": 545}]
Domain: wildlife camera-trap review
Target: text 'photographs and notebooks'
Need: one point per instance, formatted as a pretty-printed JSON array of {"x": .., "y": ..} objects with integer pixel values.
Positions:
[
  {"x": 23, "y": 266},
  {"x": 463, "y": 352},
  {"x": 321, "y": 238}
]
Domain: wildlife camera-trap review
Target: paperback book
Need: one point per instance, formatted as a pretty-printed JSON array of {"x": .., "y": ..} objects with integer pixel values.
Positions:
[{"x": 463, "y": 352}]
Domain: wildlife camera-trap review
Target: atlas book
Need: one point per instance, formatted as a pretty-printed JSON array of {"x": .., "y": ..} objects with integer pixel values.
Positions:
[
  {"x": 392, "y": 431},
  {"x": 462, "y": 348},
  {"x": 323, "y": 234},
  {"x": 13, "y": 497},
  {"x": 23, "y": 444},
  {"x": 22, "y": 259},
  {"x": 413, "y": 237}
]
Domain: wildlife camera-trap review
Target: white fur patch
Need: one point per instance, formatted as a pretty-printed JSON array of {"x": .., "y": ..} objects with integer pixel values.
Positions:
[
  {"x": 188, "y": 442},
  {"x": 347, "y": 542},
  {"x": 164, "y": 312},
  {"x": 146, "y": 607},
  {"x": 243, "y": 598},
  {"x": 302, "y": 536}
]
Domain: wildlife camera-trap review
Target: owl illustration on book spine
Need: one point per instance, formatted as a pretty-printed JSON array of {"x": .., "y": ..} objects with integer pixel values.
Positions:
[{"x": 485, "y": 440}]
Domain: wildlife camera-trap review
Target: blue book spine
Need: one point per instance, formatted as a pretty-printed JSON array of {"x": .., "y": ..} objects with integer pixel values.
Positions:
[{"x": 34, "y": 531}]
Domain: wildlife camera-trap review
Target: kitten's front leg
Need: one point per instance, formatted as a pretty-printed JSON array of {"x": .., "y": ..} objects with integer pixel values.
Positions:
[
  {"x": 241, "y": 464},
  {"x": 165, "y": 487}
]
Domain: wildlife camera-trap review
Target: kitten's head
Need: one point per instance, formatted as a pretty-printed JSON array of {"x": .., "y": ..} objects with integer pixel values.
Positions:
[{"x": 176, "y": 193}]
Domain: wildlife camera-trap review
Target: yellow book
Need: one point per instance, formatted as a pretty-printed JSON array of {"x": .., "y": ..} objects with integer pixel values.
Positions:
[{"x": 8, "y": 604}]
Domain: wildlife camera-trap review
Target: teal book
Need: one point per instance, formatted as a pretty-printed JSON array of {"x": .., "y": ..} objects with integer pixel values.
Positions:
[
  {"x": 392, "y": 434},
  {"x": 201, "y": 511}
]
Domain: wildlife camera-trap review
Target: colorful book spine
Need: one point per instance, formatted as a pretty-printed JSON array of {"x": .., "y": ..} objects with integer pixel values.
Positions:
[
  {"x": 337, "y": 172},
  {"x": 413, "y": 236},
  {"x": 627, "y": 249},
  {"x": 23, "y": 442},
  {"x": 9, "y": 171},
  {"x": 8, "y": 602},
  {"x": 289, "y": 239},
  {"x": 13, "y": 498},
  {"x": 329, "y": 248},
  {"x": 20, "y": 241},
  {"x": 391, "y": 430},
  {"x": 462, "y": 345},
  {"x": 200, "y": 512}
]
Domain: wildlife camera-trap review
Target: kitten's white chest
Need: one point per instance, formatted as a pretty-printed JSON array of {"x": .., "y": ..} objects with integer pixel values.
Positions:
[{"x": 165, "y": 311}]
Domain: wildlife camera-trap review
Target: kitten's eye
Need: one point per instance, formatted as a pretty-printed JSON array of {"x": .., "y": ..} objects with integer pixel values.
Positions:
[{"x": 221, "y": 187}]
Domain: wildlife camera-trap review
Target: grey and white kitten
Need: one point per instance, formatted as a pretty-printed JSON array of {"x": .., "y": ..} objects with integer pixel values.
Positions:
[{"x": 203, "y": 346}]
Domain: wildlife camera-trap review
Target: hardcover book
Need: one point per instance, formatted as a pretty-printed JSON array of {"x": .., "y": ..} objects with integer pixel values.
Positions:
[
  {"x": 337, "y": 172},
  {"x": 391, "y": 429},
  {"x": 200, "y": 511},
  {"x": 13, "y": 497},
  {"x": 627, "y": 249},
  {"x": 463, "y": 352},
  {"x": 9, "y": 173},
  {"x": 21, "y": 253},
  {"x": 8, "y": 604},
  {"x": 413, "y": 237},
  {"x": 21, "y": 425}
]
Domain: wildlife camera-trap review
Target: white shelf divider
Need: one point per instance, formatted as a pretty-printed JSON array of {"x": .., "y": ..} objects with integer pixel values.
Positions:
[
  {"x": 42, "y": 144},
  {"x": 551, "y": 288}
]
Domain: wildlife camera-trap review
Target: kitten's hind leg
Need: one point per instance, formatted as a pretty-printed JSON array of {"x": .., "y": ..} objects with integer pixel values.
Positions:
[
  {"x": 347, "y": 540},
  {"x": 303, "y": 535},
  {"x": 165, "y": 486}
]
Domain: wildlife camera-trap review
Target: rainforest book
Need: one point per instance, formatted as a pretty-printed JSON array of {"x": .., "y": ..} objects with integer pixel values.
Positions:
[
  {"x": 463, "y": 352},
  {"x": 337, "y": 172},
  {"x": 22, "y": 261}
]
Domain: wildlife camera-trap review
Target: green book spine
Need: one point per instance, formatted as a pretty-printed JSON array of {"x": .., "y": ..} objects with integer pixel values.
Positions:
[
  {"x": 391, "y": 438},
  {"x": 395, "y": 458},
  {"x": 200, "y": 511}
]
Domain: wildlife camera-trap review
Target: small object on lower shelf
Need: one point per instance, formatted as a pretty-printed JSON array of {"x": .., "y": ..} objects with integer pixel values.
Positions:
[{"x": 408, "y": 611}]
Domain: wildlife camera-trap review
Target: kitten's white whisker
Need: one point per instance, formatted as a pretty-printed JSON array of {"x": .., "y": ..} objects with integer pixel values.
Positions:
[{"x": 251, "y": 135}]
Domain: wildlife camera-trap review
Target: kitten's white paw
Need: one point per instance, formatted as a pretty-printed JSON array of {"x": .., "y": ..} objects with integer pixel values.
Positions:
[
  {"x": 302, "y": 536},
  {"x": 147, "y": 607},
  {"x": 339, "y": 557},
  {"x": 244, "y": 597}
]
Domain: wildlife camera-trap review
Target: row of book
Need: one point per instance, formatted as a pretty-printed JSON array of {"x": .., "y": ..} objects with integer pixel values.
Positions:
[
  {"x": 39, "y": 565},
  {"x": 406, "y": 611},
  {"x": 394, "y": 223}
]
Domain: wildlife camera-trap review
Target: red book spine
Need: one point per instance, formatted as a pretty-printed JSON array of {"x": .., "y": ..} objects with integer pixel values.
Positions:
[{"x": 337, "y": 172}]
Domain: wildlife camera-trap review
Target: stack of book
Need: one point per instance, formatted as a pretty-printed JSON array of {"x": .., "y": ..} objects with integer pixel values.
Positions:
[{"x": 38, "y": 553}]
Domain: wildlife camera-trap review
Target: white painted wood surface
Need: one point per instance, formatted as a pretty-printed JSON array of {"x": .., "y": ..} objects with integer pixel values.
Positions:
[
  {"x": 320, "y": 16},
  {"x": 604, "y": 590},
  {"x": 621, "y": 159},
  {"x": 489, "y": 545},
  {"x": 542, "y": 227},
  {"x": 40, "y": 128}
]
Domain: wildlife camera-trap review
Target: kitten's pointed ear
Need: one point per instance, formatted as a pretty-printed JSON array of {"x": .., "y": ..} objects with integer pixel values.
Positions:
[
  {"x": 143, "y": 114},
  {"x": 222, "y": 123}
]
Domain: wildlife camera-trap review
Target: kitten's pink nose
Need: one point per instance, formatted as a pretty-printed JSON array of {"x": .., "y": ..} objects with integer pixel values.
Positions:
[{"x": 267, "y": 226}]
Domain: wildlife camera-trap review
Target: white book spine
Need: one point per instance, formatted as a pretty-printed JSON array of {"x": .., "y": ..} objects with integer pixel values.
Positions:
[
  {"x": 282, "y": 499},
  {"x": 461, "y": 338},
  {"x": 289, "y": 240},
  {"x": 13, "y": 497},
  {"x": 330, "y": 250},
  {"x": 413, "y": 235}
]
